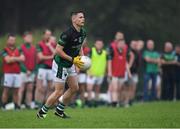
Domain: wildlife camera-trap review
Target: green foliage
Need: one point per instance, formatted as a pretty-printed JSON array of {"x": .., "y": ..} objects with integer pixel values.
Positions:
[
  {"x": 157, "y": 19},
  {"x": 151, "y": 115}
]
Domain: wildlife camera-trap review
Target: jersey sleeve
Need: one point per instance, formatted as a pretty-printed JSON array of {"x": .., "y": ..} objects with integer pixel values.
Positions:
[
  {"x": 4, "y": 53},
  {"x": 63, "y": 39},
  {"x": 38, "y": 48},
  {"x": 20, "y": 50}
]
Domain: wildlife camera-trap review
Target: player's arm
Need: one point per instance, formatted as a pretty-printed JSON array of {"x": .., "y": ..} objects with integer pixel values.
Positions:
[
  {"x": 109, "y": 62},
  {"x": 52, "y": 49},
  {"x": 41, "y": 56},
  {"x": 12, "y": 59},
  {"x": 131, "y": 59},
  {"x": 20, "y": 58},
  {"x": 64, "y": 39},
  {"x": 128, "y": 70},
  {"x": 59, "y": 51}
]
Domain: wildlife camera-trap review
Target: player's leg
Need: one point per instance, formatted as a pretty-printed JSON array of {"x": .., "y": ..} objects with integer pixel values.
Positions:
[
  {"x": 7, "y": 84},
  {"x": 122, "y": 91},
  {"x": 114, "y": 86},
  {"x": 16, "y": 98},
  {"x": 90, "y": 85},
  {"x": 40, "y": 89},
  {"x": 99, "y": 81},
  {"x": 16, "y": 86},
  {"x": 82, "y": 86},
  {"x": 29, "y": 91},
  {"x": 4, "y": 98},
  {"x": 50, "y": 85},
  {"x": 52, "y": 99},
  {"x": 22, "y": 87},
  {"x": 73, "y": 88},
  {"x": 65, "y": 99}
]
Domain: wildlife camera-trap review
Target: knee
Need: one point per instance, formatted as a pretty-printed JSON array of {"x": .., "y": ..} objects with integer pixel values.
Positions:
[
  {"x": 57, "y": 94},
  {"x": 74, "y": 88}
]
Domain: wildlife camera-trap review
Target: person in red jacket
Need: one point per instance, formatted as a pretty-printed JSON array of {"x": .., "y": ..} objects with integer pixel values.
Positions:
[
  {"x": 45, "y": 54},
  {"x": 27, "y": 69},
  {"x": 11, "y": 69},
  {"x": 117, "y": 67}
]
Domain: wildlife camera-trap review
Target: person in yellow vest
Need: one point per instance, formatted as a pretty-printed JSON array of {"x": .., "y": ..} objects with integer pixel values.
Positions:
[{"x": 97, "y": 71}]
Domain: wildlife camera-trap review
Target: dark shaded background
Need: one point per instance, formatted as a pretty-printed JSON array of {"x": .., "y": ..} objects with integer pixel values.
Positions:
[{"x": 157, "y": 19}]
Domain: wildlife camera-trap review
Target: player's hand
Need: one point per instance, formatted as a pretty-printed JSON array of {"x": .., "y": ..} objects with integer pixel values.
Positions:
[{"x": 77, "y": 62}]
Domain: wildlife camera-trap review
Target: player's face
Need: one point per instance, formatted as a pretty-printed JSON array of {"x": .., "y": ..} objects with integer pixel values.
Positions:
[
  {"x": 119, "y": 36},
  {"x": 150, "y": 45},
  {"x": 47, "y": 35},
  {"x": 99, "y": 45},
  {"x": 28, "y": 38},
  {"x": 140, "y": 45},
  {"x": 133, "y": 44},
  {"x": 168, "y": 47},
  {"x": 52, "y": 39},
  {"x": 177, "y": 49},
  {"x": 120, "y": 44},
  {"x": 79, "y": 19},
  {"x": 11, "y": 41}
]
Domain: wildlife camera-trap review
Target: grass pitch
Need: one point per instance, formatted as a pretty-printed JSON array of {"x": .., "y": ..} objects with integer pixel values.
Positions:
[{"x": 156, "y": 115}]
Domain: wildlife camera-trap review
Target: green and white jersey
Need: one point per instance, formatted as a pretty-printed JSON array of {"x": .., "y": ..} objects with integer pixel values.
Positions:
[{"x": 72, "y": 41}]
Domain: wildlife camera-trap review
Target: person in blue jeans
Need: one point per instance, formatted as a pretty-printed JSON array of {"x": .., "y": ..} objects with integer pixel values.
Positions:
[{"x": 152, "y": 59}]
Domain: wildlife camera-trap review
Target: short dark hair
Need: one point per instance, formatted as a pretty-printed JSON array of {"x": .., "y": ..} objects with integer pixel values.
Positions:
[
  {"x": 76, "y": 12},
  {"x": 27, "y": 33},
  {"x": 10, "y": 35}
]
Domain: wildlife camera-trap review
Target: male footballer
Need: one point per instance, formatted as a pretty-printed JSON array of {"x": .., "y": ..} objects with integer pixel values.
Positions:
[{"x": 67, "y": 57}]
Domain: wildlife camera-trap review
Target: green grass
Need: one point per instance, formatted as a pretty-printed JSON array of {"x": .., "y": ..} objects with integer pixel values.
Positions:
[{"x": 157, "y": 114}]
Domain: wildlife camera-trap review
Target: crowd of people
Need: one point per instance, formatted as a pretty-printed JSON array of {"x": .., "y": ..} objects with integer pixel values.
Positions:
[{"x": 27, "y": 71}]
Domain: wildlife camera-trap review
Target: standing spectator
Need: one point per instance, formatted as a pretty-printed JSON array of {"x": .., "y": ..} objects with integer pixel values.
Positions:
[
  {"x": 45, "y": 53},
  {"x": 27, "y": 69},
  {"x": 151, "y": 58},
  {"x": 117, "y": 66},
  {"x": 97, "y": 71},
  {"x": 11, "y": 69},
  {"x": 177, "y": 69},
  {"x": 82, "y": 76},
  {"x": 118, "y": 36},
  {"x": 168, "y": 61},
  {"x": 134, "y": 68}
]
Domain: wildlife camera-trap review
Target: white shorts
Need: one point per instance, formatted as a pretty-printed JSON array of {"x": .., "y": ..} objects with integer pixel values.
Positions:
[
  {"x": 94, "y": 80},
  {"x": 60, "y": 74},
  {"x": 25, "y": 78},
  {"x": 82, "y": 78},
  {"x": 45, "y": 74},
  {"x": 135, "y": 78},
  {"x": 119, "y": 80},
  {"x": 12, "y": 80}
]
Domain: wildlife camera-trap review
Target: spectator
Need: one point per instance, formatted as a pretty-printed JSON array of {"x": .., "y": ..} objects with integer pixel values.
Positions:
[
  {"x": 118, "y": 36},
  {"x": 45, "y": 53},
  {"x": 151, "y": 58},
  {"x": 27, "y": 69},
  {"x": 117, "y": 65},
  {"x": 82, "y": 76},
  {"x": 11, "y": 69},
  {"x": 168, "y": 61},
  {"x": 96, "y": 72},
  {"x": 134, "y": 66}
]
